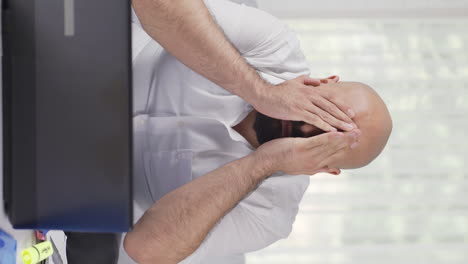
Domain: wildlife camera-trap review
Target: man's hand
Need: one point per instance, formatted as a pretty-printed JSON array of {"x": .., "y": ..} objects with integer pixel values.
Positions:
[
  {"x": 307, "y": 155},
  {"x": 296, "y": 100}
]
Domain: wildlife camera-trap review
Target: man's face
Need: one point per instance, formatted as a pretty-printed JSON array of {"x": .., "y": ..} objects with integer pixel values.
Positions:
[
  {"x": 268, "y": 128},
  {"x": 372, "y": 118}
]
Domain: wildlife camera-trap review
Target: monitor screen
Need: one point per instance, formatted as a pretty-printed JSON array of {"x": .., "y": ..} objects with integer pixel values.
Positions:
[{"x": 67, "y": 126}]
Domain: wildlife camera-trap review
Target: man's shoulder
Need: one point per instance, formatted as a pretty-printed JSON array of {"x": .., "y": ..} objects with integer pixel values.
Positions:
[{"x": 245, "y": 26}]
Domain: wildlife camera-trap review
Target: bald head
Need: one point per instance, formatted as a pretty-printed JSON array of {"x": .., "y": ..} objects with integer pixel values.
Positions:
[{"x": 372, "y": 118}]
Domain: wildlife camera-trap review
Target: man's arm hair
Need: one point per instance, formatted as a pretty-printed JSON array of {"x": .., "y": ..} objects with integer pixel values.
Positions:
[
  {"x": 175, "y": 226},
  {"x": 186, "y": 29}
]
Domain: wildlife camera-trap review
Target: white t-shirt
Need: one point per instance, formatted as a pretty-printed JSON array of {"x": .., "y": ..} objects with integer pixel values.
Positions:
[{"x": 183, "y": 130}]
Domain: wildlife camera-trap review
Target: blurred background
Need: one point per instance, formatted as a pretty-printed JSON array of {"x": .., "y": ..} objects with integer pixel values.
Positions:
[{"x": 411, "y": 204}]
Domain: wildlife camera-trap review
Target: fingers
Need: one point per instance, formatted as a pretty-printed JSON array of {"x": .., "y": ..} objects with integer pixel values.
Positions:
[
  {"x": 334, "y": 171},
  {"x": 313, "y": 119},
  {"x": 330, "y": 113},
  {"x": 333, "y": 158},
  {"x": 310, "y": 81},
  {"x": 331, "y": 79},
  {"x": 334, "y": 78},
  {"x": 342, "y": 107},
  {"x": 333, "y": 140},
  {"x": 319, "y": 153},
  {"x": 326, "y": 169},
  {"x": 314, "y": 106},
  {"x": 321, "y": 140},
  {"x": 345, "y": 109},
  {"x": 335, "y": 143},
  {"x": 317, "y": 82},
  {"x": 335, "y": 148}
]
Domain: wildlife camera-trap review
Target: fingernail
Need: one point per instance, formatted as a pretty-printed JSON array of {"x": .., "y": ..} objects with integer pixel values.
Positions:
[
  {"x": 354, "y": 134},
  {"x": 354, "y": 145},
  {"x": 333, "y": 129},
  {"x": 354, "y": 125},
  {"x": 349, "y": 126},
  {"x": 351, "y": 113}
]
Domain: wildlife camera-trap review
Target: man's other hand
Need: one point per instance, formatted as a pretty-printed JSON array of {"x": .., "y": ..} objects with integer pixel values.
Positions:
[
  {"x": 296, "y": 100},
  {"x": 308, "y": 156}
]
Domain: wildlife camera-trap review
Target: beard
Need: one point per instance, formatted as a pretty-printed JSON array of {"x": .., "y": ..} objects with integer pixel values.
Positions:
[{"x": 268, "y": 129}]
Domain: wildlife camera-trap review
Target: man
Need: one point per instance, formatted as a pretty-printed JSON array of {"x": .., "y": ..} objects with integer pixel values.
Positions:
[
  {"x": 189, "y": 127},
  {"x": 185, "y": 28},
  {"x": 197, "y": 217}
]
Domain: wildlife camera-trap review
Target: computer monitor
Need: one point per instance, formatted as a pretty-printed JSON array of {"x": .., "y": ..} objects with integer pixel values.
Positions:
[{"x": 67, "y": 114}]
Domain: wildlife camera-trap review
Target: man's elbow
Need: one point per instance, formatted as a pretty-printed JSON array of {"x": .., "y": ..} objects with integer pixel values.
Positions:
[
  {"x": 162, "y": 250},
  {"x": 143, "y": 252}
]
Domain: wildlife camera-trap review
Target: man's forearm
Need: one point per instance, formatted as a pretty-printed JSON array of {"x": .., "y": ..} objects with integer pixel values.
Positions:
[
  {"x": 177, "y": 224},
  {"x": 186, "y": 29}
]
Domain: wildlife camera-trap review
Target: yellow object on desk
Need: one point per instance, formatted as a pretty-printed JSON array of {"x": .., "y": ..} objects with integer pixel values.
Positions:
[{"x": 37, "y": 253}]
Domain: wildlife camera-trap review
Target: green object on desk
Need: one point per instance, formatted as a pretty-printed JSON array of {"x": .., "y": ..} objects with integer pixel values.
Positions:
[{"x": 37, "y": 253}]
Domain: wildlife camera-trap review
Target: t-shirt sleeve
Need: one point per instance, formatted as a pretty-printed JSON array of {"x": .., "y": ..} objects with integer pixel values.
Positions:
[
  {"x": 246, "y": 27},
  {"x": 265, "y": 42},
  {"x": 262, "y": 218}
]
